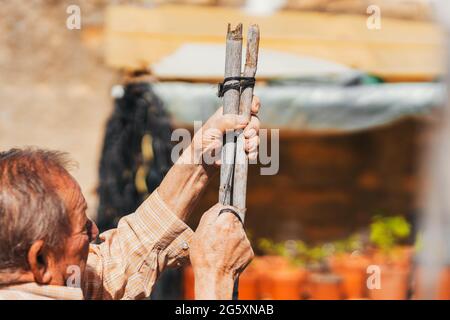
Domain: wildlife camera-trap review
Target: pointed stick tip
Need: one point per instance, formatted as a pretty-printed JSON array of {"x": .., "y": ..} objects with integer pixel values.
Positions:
[
  {"x": 234, "y": 34},
  {"x": 253, "y": 29}
]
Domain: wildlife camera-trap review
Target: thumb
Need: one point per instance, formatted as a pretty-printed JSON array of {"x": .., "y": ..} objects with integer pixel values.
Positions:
[
  {"x": 211, "y": 214},
  {"x": 224, "y": 122}
]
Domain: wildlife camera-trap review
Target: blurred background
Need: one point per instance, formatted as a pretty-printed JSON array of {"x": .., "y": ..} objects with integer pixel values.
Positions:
[{"x": 355, "y": 87}]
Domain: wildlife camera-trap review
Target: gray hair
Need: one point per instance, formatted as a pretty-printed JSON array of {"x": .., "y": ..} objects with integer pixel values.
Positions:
[{"x": 30, "y": 207}]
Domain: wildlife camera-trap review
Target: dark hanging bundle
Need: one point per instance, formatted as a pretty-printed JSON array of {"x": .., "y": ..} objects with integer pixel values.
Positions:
[{"x": 135, "y": 155}]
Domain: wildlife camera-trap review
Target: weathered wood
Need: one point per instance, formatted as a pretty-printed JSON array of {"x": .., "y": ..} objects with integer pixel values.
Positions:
[
  {"x": 401, "y": 51},
  {"x": 241, "y": 163},
  {"x": 233, "y": 62},
  {"x": 231, "y": 100}
]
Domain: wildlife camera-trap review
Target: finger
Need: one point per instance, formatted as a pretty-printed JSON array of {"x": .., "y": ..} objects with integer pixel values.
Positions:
[
  {"x": 229, "y": 122},
  {"x": 256, "y": 105},
  {"x": 232, "y": 214},
  {"x": 211, "y": 213},
  {"x": 251, "y": 145},
  {"x": 228, "y": 221},
  {"x": 250, "y": 133},
  {"x": 252, "y": 156},
  {"x": 217, "y": 114},
  {"x": 253, "y": 127}
]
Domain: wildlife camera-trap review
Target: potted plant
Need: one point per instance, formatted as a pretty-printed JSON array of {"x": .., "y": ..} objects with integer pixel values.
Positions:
[
  {"x": 349, "y": 262},
  {"x": 393, "y": 260},
  {"x": 325, "y": 286},
  {"x": 281, "y": 273},
  {"x": 322, "y": 284}
]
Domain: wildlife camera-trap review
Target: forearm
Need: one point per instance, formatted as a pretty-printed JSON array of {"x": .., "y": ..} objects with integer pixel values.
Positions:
[
  {"x": 209, "y": 286},
  {"x": 184, "y": 183}
]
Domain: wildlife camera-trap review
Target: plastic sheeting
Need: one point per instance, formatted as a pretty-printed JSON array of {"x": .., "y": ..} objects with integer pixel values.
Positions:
[
  {"x": 312, "y": 107},
  {"x": 205, "y": 61}
]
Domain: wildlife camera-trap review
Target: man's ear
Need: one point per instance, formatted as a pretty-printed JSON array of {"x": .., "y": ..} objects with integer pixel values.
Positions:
[{"x": 38, "y": 260}]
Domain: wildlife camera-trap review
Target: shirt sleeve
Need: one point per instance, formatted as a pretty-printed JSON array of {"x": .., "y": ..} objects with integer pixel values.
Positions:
[{"x": 130, "y": 258}]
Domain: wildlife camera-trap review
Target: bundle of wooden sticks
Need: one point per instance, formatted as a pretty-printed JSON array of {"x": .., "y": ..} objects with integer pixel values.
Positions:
[{"x": 237, "y": 92}]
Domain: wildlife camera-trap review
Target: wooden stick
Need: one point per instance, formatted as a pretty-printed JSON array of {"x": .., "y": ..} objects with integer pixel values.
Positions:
[
  {"x": 241, "y": 162},
  {"x": 233, "y": 62}
]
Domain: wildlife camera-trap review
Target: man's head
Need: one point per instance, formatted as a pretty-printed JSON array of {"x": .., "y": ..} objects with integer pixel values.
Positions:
[{"x": 44, "y": 229}]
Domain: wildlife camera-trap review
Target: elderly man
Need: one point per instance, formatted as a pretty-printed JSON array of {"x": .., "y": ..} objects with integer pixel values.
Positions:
[{"x": 45, "y": 235}]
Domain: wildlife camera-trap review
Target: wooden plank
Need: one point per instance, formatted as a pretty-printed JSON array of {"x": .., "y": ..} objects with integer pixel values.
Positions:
[
  {"x": 410, "y": 9},
  {"x": 401, "y": 50}
]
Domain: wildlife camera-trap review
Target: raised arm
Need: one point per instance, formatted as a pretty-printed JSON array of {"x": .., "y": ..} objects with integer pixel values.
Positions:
[
  {"x": 187, "y": 179},
  {"x": 130, "y": 258}
]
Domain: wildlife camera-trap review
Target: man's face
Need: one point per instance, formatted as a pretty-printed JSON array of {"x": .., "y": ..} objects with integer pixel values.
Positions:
[{"x": 72, "y": 258}]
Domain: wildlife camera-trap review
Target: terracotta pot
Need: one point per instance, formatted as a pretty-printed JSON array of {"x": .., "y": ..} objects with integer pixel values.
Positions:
[
  {"x": 189, "y": 283},
  {"x": 248, "y": 284},
  {"x": 395, "y": 269},
  {"x": 286, "y": 283},
  {"x": 444, "y": 285},
  {"x": 353, "y": 271},
  {"x": 401, "y": 256},
  {"x": 394, "y": 282},
  {"x": 265, "y": 285},
  {"x": 325, "y": 286},
  {"x": 264, "y": 266}
]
